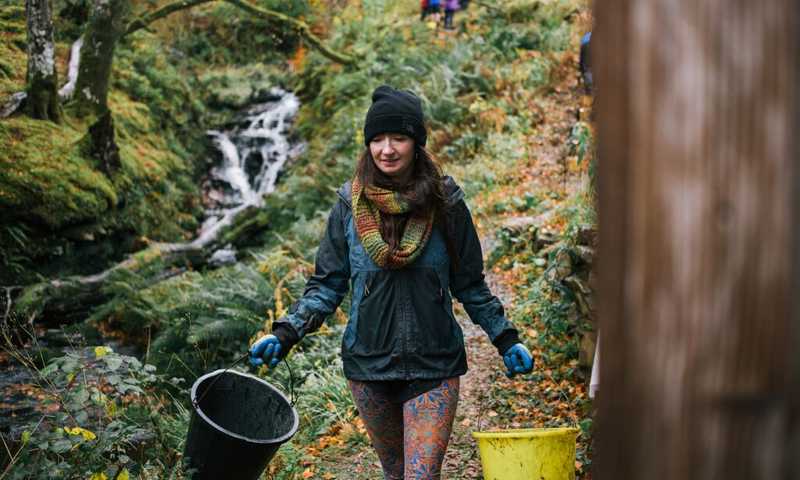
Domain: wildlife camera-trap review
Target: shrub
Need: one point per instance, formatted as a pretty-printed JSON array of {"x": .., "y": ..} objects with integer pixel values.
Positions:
[{"x": 100, "y": 419}]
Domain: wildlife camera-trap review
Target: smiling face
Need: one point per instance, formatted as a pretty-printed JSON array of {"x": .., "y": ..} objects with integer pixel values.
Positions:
[{"x": 393, "y": 154}]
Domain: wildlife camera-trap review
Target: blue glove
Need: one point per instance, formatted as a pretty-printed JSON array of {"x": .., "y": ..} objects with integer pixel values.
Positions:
[
  {"x": 518, "y": 360},
  {"x": 267, "y": 350}
]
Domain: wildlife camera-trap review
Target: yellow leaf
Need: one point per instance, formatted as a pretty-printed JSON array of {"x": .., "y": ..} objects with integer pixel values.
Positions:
[
  {"x": 101, "y": 351},
  {"x": 86, "y": 434},
  {"x": 124, "y": 475},
  {"x": 98, "y": 476}
]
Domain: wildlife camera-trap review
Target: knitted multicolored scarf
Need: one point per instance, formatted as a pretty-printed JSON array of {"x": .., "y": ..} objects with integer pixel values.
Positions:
[{"x": 368, "y": 203}]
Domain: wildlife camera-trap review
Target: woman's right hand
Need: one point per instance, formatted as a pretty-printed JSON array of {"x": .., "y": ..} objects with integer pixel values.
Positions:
[{"x": 267, "y": 350}]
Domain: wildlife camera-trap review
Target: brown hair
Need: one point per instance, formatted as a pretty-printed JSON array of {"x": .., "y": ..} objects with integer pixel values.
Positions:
[{"x": 425, "y": 192}]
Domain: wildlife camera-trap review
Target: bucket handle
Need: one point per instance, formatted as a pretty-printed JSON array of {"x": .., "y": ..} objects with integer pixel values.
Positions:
[
  {"x": 196, "y": 402},
  {"x": 292, "y": 395}
]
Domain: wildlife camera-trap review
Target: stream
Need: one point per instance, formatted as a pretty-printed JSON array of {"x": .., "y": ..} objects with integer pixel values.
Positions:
[{"x": 251, "y": 150}]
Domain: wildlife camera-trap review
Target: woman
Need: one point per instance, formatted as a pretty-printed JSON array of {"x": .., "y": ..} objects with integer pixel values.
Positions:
[{"x": 403, "y": 238}]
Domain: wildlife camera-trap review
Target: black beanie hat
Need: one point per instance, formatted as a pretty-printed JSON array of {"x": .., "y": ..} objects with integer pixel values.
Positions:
[{"x": 395, "y": 111}]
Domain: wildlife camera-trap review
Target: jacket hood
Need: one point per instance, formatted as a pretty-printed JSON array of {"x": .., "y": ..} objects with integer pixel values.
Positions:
[{"x": 452, "y": 191}]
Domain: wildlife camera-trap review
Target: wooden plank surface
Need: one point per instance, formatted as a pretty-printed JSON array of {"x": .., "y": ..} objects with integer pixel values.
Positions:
[{"x": 697, "y": 120}]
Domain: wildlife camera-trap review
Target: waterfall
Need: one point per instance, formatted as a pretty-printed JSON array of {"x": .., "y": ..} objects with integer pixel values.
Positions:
[{"x": 253, "y": 153}]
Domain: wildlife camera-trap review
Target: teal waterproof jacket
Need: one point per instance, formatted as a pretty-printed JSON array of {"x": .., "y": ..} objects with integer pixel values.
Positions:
[{"x": 401, "y": 324}]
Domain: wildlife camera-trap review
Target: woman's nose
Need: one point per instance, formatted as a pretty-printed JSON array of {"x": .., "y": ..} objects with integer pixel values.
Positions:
[{"x": 386, "y": 146}]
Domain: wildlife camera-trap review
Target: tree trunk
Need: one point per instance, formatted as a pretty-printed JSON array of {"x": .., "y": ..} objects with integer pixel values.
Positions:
[
  {"x": 102, "y": 146},
  {"x": 42, "y": 90},
  {"x": 107, "y": 23},
  {"x": 697, "y": 117}
]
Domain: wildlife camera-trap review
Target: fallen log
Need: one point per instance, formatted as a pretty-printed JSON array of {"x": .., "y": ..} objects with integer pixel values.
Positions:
[{"x": 69, "y": 300}]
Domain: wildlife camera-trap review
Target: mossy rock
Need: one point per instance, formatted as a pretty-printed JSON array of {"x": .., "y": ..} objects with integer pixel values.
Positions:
[{"x": 44, "y": 174}]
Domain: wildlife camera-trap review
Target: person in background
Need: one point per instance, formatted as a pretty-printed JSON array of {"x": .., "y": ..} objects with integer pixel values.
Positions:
[
  {"x": 450, "y": 7},
  {"x": 423, "y": 8},
  {"x": 432, "y": 8},
  {"x": 402, "y": 239}
]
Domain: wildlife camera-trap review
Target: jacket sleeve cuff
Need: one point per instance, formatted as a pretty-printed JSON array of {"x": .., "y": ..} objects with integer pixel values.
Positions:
[
  {"x": 507, "y": 339},
  {"x": 286, "y": 335}
]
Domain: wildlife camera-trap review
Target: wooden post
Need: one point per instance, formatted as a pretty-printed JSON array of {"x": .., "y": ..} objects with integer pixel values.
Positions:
[{"x": 697, "y": 116}]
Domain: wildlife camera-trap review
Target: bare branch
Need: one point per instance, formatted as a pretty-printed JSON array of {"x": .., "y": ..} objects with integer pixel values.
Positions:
[
  {"x": 9, "y": 300},
  {"x": 143, "y": 22},
  {"x": 301, "y": 28},
  {"x": 72, "y": 74},
  {"x": 13, "y": 104}
]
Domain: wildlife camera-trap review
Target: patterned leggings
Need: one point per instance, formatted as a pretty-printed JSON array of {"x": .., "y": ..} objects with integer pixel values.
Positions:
[{"x": 410, "y": 438}]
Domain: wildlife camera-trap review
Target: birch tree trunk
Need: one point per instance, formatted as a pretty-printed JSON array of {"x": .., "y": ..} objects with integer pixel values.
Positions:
[
  {"x": 42, "y": 88},
  {"x": 697, "y": 115},
  {"x": 107, "y": 24}
]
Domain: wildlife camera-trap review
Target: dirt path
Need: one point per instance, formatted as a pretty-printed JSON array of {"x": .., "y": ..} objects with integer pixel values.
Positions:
[{"x": 474, "y": 413}]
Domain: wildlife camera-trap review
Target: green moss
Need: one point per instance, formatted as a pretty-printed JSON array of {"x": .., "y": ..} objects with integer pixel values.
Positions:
[
  {"x": 48, "y": 176},
  {"x": 13, "y": 58},
  {"x": 44, "y": 174}
]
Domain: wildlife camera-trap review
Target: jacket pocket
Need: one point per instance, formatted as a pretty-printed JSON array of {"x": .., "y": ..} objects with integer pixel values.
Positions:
[
  {"x": 437, "y": 330},
  {"x": 376, "y": 327}
]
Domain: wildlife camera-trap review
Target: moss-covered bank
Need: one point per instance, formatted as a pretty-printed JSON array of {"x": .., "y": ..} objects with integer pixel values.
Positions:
[{"x": 61, "y": 213}]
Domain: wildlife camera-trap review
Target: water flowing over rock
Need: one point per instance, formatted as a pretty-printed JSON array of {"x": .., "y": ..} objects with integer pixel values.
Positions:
[{"x": 253, "y": 152}]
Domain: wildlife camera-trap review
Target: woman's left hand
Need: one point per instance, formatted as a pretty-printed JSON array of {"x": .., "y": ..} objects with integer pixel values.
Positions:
[{"x": 518, "y": 360}]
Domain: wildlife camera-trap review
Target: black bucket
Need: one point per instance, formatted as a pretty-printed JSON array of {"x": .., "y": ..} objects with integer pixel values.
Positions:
[{"x": 237, "y": 426}]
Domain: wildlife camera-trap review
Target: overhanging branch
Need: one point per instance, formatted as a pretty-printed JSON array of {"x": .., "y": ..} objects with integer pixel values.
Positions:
[
  {"x": 301, "y": 28},
  {"x": 144, "y": 21}
]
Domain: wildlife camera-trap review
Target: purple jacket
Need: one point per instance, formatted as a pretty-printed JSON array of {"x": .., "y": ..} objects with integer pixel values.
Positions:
[{"x": 451, "y": 5}]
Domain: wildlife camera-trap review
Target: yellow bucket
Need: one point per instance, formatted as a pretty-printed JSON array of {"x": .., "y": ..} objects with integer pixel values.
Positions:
[{"x": 528, "y": 454}]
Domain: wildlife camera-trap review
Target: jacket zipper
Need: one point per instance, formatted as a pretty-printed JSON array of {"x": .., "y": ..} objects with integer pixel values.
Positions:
[{"x": 404, "y": 326}]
